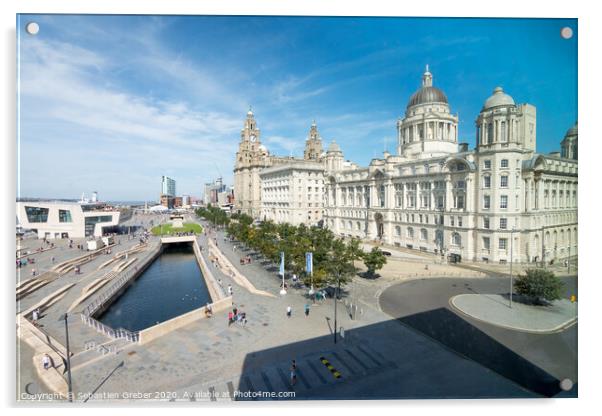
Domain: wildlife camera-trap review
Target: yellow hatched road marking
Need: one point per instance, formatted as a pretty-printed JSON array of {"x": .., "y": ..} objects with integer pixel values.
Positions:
[{"x": 330, "y": 367}]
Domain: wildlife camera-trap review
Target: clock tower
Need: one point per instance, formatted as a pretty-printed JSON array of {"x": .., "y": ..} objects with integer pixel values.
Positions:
[{"x": 251, "y": 157}]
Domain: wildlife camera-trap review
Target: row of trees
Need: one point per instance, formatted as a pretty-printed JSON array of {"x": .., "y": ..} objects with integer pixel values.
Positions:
[
  {"x": 214, "y": 215},
  {"x": 333, "y": 258}
]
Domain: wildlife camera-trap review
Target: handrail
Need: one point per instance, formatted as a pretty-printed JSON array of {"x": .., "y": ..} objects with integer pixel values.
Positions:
[{"x": 99, "y": 301}]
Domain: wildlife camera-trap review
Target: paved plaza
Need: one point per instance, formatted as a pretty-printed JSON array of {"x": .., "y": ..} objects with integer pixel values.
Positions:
[{"x": 377, "y": 354}]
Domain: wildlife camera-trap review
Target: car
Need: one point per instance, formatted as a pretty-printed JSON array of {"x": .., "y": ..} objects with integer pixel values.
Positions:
[{"x": 386, "y": 253}]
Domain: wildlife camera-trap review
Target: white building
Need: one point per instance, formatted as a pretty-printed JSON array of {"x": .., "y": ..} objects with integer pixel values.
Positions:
[
  {"x": 58, "y": 219},
  {"x": 437, "y": 196},
  {"x": 293, "y": 193}
]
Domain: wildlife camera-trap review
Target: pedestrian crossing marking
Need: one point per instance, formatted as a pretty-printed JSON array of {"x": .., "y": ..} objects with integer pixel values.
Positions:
[{"x": 330, "y": 367}]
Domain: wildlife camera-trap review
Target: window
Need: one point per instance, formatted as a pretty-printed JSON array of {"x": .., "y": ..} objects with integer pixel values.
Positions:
[
  {"x": 486, "y": 201},
  {"x": 460, "y": 202},
  {"x": 503, "y": 128},
  {"x": 397, "y": 230},
  {"x": 36, "y": 214},
  {"x": 486, "y": 222},
  {"x": 503, "y": 223},
  {"x": 90, "y": 223},
  {"x": 65, "y": 215},
  {"x": 423, "y": 234},
  {"x": 410, "y": 232},
  {"x": 486, "y": 244},
  {"x": 451, "y": 221},
  {"x": 487, "y": 164},
  {"x": 504, "y": 163},
  {"x": 487, "y": 181},
  {"x": 459, "y": 221},
  {"x": 503, "y": 243},
  {"x": 489, "y": 132},
  {"x": 503, "y": 201},
  {"x": 504, "y": 181},
  {"x": 456, "y": 239}
]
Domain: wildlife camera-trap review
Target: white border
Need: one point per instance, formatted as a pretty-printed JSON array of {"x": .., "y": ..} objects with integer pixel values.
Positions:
[{"x": 589, "y": 96}]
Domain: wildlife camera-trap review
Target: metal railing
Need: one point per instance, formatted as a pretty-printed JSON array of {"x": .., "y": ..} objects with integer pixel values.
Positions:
[
  {"x": 110, "y": 332},
  {"x": 122, "y": 279}
]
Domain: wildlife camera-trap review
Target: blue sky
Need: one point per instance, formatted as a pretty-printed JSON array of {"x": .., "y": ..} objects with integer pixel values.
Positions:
[{"x": 111, "y": 103}]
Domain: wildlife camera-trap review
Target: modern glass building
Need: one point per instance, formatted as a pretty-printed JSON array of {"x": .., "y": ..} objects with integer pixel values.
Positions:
[
  {"x": 60, "y": 219},
  {"x": 168, "y": 186}
]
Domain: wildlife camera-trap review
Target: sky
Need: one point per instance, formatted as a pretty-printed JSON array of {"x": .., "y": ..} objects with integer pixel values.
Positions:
[{"x": 112, "y": 103}]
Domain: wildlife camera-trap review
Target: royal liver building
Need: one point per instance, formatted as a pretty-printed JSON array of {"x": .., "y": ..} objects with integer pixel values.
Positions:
[{"x": 435, "y": 195}]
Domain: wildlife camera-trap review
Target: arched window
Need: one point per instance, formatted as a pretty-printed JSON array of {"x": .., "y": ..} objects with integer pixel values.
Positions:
[
  {"x": 398, "y": 230},
  {"x": 410, "y": 232},
  {"x": 423, "y": 234},
  {"x": 456, "y": 239}
]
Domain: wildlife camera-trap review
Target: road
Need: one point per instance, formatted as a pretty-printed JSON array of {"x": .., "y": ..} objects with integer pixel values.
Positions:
[{"x": 536, "y": 361}]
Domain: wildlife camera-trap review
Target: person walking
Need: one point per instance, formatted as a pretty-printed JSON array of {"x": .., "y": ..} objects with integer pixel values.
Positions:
[
  {"x": 46, "y": 361},
  {"x": 230, "y": 291},
  {"x": 293, "y": 373},
  {"x": 289, "y": 311},
  {"x": 306, "y": 310},
  {"x": 230, "y": 317}
]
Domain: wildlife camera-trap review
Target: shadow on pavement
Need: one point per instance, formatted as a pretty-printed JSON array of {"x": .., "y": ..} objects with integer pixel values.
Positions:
[
  {"x": 459, "y": 335},
  {"x": 375, "y": 362}
]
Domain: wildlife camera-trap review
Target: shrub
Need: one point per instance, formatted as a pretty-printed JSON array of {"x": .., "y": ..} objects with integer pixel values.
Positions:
[{"x": 540, "y": 285}]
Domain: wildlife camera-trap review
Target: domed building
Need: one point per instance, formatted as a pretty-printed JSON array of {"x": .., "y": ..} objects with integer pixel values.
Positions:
[
  {"x": 568, "y": 146},
  {"x": 428, "y": 128},
  {"x": 500, "y": 202},
  {"x": 502, "y": 124}
]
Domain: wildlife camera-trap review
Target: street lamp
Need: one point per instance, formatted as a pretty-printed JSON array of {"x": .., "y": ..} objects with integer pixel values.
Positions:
[
  {"x": 336, "y": 294},
  {"x": 511, "y": 259},
  {"x": 70, "y": 387}
]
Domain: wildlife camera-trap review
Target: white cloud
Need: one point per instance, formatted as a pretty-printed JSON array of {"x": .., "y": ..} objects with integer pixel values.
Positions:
[{"x": 71, "y": 123}]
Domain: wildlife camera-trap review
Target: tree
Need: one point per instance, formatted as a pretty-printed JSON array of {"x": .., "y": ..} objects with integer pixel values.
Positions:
[
  {"x": 339, "y": 268},
  {"x": 355, "y": 251},
  {"x": 540, "y": 285},
  {"x": 374, "y": 260}
]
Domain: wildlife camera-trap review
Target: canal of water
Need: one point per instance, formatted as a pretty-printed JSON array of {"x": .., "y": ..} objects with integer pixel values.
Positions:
[{"x": 172, "y": 285}]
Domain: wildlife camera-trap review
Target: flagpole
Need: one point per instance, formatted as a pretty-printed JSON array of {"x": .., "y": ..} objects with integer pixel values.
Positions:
[
  {"x": 283, "y": 290},
  {"x": 310, "y": 266}
]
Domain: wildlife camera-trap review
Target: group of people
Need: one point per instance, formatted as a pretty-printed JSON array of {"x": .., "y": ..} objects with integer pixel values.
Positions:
[
  {"x": 289, "y": 310},
  {"x": 236, "y": 316},
  {"x": 25, "y": 262},
  {"x": 245, "y": 260},
  {"x": 184, "y": 234}
]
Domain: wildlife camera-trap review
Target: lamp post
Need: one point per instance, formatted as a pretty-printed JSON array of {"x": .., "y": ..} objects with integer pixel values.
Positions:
[
  {"x": 511, "y": 260},
  {"x": 336, "y": 294},
  {"x": 70, "y": 387},
  {"x": 568, "y": 260}
]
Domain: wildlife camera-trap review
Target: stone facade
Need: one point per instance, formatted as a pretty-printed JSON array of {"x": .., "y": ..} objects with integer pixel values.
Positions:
[
  {"x": 437, "y": 196},
  {"x": 293, "y": 193},
  {"x": 253, "y": 158}
]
